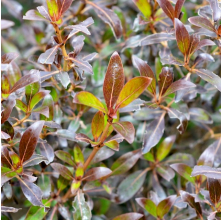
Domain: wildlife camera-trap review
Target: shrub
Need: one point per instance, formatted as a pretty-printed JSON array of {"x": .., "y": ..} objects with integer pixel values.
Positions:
[{"x": 91, "y": 133}]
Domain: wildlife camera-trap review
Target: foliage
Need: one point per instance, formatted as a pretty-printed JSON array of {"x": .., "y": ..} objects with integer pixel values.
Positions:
[{"x": 90, "y": 130}]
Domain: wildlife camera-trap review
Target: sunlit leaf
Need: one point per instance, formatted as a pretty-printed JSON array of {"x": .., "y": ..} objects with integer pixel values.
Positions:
[
  {"x": 209, "y": 172},
  {"x": 97, "y": 125},
  {"x": 148, "y": 205},
  {"x": 129, "y": 216},
  {"x": 96, "y": 173},
  {"x": 62, "y": 170}
]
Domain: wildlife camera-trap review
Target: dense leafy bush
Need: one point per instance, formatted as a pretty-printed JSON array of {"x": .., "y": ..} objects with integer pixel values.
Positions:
[{"x": 91, "y": 133}]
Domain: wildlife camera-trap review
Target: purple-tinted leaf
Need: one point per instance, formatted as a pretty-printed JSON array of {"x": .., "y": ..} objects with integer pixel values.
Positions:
[
  {"x": 210, "y": 77},
  {"x": 4, "y": 135},
  {"x": 48, "y": 56},
  {"x": 29, "y": 178},
  {"x": 5, "y": 159},
  {"x": 207, "y": 157},
  {"x": 14, "y": 8},
  {"x": 63, "y": 133},
  {"x": 29, "y": 140},
  {"x": 62, "y": 170},
  {"x": 216, "y": 10},
  {"x": 7, "y": 174},
  {"x": 148, "y": 205},
  {"x": 84, "y": 65},
  {"x": 34, "y": 15},
  {"x": 44, "y": 12},
  {"x": 202, "y": 22},
  {"x": 114, "y": 80},
  {"x": 83, "y": 138},
  {"x": 103, "y": 154},
  {"x": 153, "y": 133},
  {"x": 129, "y": 216},
  {"x": 43, "y": 110},
  {"x": 178, "y": 85},
  {"x": 167, "y": 8},
  {"x": 9, "y": 209},
  {"x": 34, "y": 160},
  {"x": 78, "y": 43},
  {"x": 209, "y": 172},
  {"x": 8, "y": 105},
  {"x": 203, "y": 58},
  {"x": 125, "y": 162},
  {"x": 182, "y": 37},
  {"x": 96, "y": 173},
  {"x": 6, "y": 24},
  {"x": 214, "y": 187},
  {"x": 178, "y": 6},
  {"x": 167, "y": 58},
  {"x": 28, "y": 79},
  {"x": 184, "y": 170},
  {"x": 126, "y": 129},
  {"x": 21, "y": 105},
  {"x": 47, "y": 151},
  {"x": 65, "y": 156},
  {"x": 112, "y": 144},
  {"x": 109, "y": 17},
  {"x": 200, "y": 115},
  {"x": 32, "y": 192},
  {"x": 165, "y": 147},
  {"x": 129, "y": 186},
  {"x": 173, "y": 113},
  {"x": 165, "y": 205},
  {"x": 204, "y": 43},
  {"x": 145, "y": 70},
  {"x": 133, "y": 106},
  {"x": 155, "y": 39},
  {"x": 166, "y": 172},
  {"x": 186, "y": 197},
  {"x": 64, "y": 78},
  {"x": 63, "y": 5}
]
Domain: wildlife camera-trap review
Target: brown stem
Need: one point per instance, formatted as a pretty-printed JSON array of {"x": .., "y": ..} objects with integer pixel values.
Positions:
[{"x": 20, "y": 121}]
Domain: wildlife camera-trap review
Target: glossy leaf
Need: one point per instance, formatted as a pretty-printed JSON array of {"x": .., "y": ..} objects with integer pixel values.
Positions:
[
  {"x": 62, "y": 170},
  {"x": 32, "y": 192},
  {"x": 7, "y": 108},
  {"x": 37, "y": 98},
  {"x": 97, "y": 125},
  {"x": 214, "y": 187},
  {"x": 34, "y": 160},
  {"x": 21, "y": 105},
  {"x": 210, "y": 77},
  {"x": 165, "y": 147},
  {"x": 48, "y": 56},
  {"x": 96, "y": 173},
  {"x": 129, "y": 186},
  {"x": 186, "y": 197},
  {"x": 165, "y": 79},
  {"x": 81, "y": 207},
  {"x": 109, "y": 17},
  {"x": 63, "y": 133},
  {"x": 167, "y": 8},
  {"x": 32, "y": 77},
  {"x": 178, "y": 7},
  {"x": 47, "y": 151},
  {"x": 78, "y": 155},
  {"x": 126, "y": 129},
  {"x": 75, "y": 185},
  {"x": 29, "y": 140},
  {"x": 200, "y": 115},
  {"x": 153, "y": 133},
  {"x": 125, "y": 162},
  {"x": 215, "y": 9},
  {"x": 112, "y": 144},
  {"x": 65, "y": 157},
  {"x": 31, "y": 90},
  {"x": 5, "y": 86},
  {"x": 53, "y": 9},
  {"x": 182, "y": 37},
  {"x": 6, "y": 174},
  {"x": 144, "y": 7},
  {"x": 132, "y": 90},
  {"x": 63, "y": 5},
  {"x": 209, "y": 172},
  {"x": 179, "y": 85},
  {"x": 165, "y": 205},
  {"x": 148, "y": 205},
  {"x": 145, "y": 70},
  {"x": 183, "y": 170},
  {"x": 88, "y": 99},
  {"x": 9, "y": 209},
  {"x": 129, "y": 216},
  {"x": 202, "y": 22},
  {"x": 114, "y": 80}
]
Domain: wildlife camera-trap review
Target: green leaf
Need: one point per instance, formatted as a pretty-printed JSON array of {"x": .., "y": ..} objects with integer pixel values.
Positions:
[
  {"x": 78, "y": 155},
  {"x": 129, "y": 216},
  {"x": 184, "y": 170},
  {"x": 144, "y": 6},
  {"x": 37, "y": 98},
  {"x": 31, "y": 90},
  {"x": 149, "y": 156},
  {"x": 182, "y": 37},
  {"x": 165, "y": 205},
  {"x": 62, "y": 183},
  {"x": 21, "y": 105},
  {"x": 48, "y": 102},
  {"x": 7, "y": 174},
  {"x": 88, "y": 99},
  {"x": 165, "y": 147},
  {"x": 81, "y": 208},
  {"x": 112, "y": 144},
  {"x": 53, "y": 10},
  {"x": 75, "y": 185},
  {"x": 97, "y": 125},
  {"x": 132, "y": 90},
  {"x": 65, "y": 156},
  {"x": 5, "y": 86},
  {"x": 148, "y": 205}
]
